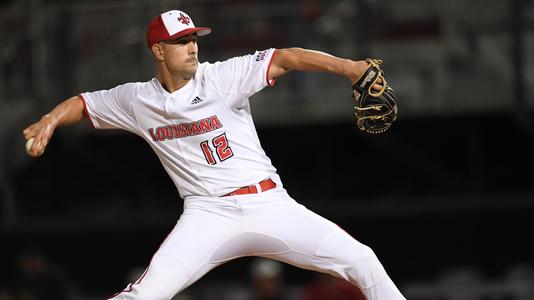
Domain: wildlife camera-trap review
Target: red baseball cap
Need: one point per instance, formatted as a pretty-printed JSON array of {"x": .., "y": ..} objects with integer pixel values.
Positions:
[{"x": 172, "y": 25}]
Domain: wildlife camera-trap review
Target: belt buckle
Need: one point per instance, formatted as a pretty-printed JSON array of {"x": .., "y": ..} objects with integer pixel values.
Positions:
[{"x": 258, "y": 187}]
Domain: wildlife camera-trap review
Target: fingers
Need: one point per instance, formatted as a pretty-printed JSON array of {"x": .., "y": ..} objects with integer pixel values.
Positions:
[
  {"x": 377, "y": 87},
  {"x": 41, "y": 141},
  {"x": 41, "y": 132},
  {"x": 28, "y": 132},
  {"x": 378, "y": 84},
  {"x": 39, "y": 144}
]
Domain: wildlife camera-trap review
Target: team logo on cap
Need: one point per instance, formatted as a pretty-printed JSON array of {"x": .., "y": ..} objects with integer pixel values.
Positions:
[{"x": 184, "y": 19}]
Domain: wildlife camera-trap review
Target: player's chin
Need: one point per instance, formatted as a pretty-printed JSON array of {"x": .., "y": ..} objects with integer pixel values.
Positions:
[{"x": 190, "y": 72}]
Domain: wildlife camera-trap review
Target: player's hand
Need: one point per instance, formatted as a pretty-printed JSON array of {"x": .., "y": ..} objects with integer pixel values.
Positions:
[
  {"x": 42, "y": 132},
  {"x": 359, "y": 68}
]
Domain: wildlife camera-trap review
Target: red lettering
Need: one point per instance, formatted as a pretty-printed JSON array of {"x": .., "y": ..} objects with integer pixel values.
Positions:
[
  {"x": 160, "y": 132},
  {"x": 195, "y": 128},
  {"x": 183, "y": 130},
  {"x": 169, "y": 132},
  {"x": 175, "y": 132},
  {"x": 204, "y": 125},
  {"x": 215, "y": 123},
  {"x": 151, "y": 131}
]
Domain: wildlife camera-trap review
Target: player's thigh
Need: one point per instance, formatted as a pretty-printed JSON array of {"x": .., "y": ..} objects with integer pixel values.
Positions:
[
  {"x": 318, "y": 244},
  {"x": 185, "y": 255}
]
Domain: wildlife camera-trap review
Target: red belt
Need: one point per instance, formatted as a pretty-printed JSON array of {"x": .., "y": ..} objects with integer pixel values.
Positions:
[{"x": 265, "y": 185}]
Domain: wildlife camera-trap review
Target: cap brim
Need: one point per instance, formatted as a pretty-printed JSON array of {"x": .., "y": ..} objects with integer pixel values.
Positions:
[{"x": 200, "y": 31}]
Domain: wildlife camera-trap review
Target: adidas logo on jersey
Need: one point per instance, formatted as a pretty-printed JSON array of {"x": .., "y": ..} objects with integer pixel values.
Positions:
[{"x": 197, "y": 100}]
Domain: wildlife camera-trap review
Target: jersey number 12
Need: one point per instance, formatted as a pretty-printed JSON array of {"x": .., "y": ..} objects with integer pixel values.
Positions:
[{"x": 223, "y": 150}]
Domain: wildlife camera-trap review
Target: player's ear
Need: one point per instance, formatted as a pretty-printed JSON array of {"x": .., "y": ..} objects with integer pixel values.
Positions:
[{"x": 157, "y": 50}]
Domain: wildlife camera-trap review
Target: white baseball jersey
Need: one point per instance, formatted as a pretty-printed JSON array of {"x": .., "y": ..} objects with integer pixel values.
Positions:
[{"x": 202, "y": 133}]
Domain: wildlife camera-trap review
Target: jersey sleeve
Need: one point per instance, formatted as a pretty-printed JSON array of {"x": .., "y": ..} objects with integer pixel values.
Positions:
[
  {"x": 240, "y": 77},
  {"x": 111, "y": 109}
]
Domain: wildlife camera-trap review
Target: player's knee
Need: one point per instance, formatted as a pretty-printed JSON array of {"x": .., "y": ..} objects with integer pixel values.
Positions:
[
  {"x": 363, "y": 266},
  {"x": 364, "y": 255},
  {"x": 350, "y": 259}
]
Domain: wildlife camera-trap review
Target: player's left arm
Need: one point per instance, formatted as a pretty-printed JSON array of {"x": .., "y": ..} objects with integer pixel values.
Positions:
[{"x": 299, "y": 59}]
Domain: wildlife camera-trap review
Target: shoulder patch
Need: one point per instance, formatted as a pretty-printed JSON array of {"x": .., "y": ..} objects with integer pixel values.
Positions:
[{"x": 261, "y": 55}]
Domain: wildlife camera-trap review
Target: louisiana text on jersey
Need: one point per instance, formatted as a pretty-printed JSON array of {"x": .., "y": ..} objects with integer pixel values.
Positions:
[{"x": 175, "y": 131}]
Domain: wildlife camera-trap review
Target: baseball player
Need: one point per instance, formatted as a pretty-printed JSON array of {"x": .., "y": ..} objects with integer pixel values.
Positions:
[{"x": 196, "y": 117}]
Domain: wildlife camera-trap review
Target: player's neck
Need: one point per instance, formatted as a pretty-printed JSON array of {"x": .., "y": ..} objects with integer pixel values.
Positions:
[{"x": 171, "y": 83}]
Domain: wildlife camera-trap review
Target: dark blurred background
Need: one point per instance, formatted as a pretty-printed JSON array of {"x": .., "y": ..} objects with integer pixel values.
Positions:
[{"x": 445, "y": 198}]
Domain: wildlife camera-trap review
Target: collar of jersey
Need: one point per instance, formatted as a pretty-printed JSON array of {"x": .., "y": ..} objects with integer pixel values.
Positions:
[{"x": 187, "y": 87}]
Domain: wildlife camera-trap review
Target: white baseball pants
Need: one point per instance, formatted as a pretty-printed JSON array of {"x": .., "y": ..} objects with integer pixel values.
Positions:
[{"x": 212, "y": 231}]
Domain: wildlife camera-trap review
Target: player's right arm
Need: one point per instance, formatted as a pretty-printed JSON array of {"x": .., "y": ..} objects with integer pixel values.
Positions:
[{"x": 67, "y": 112}]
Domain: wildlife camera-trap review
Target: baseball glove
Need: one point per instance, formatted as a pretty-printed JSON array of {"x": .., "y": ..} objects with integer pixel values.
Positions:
[{"x": 375, "y": 110}]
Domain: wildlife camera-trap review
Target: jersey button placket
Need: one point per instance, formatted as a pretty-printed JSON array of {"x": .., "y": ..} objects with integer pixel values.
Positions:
[{"x": 168, "y": 100}]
